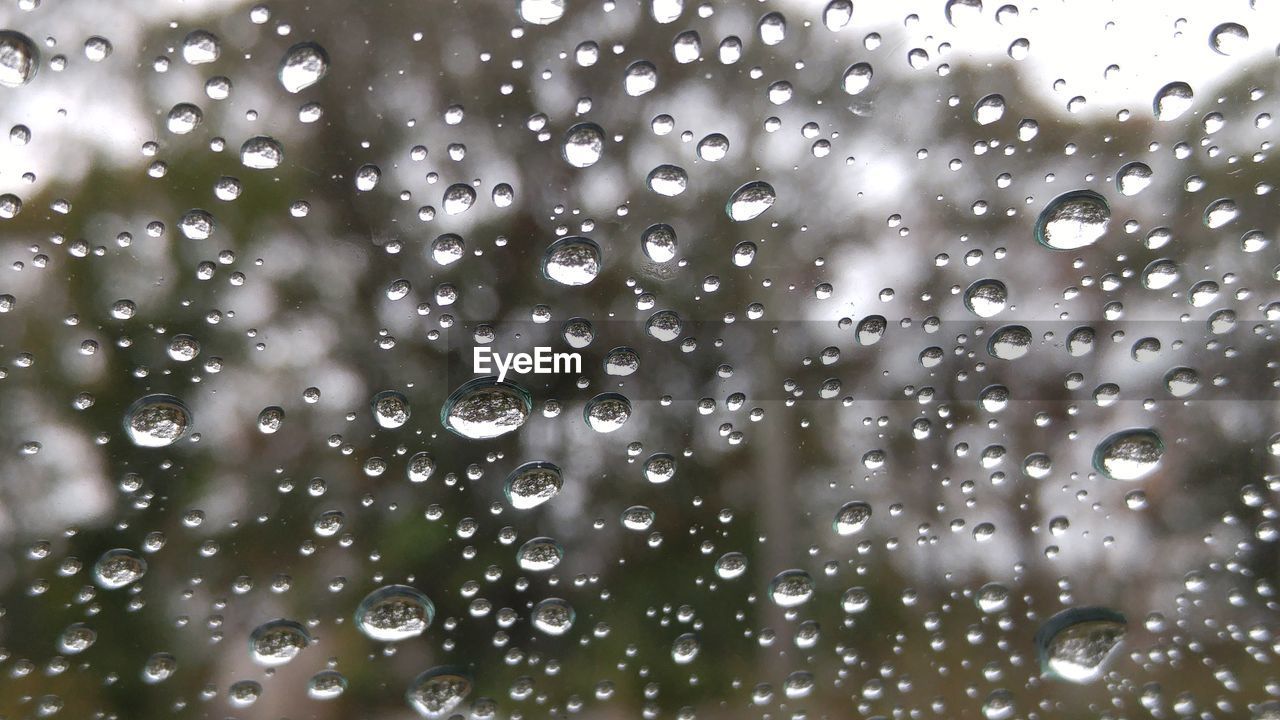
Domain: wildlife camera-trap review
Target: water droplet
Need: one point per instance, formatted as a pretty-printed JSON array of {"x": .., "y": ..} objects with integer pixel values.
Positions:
[
  {"x": 159, "y": 667},
  {"x": 583, "y": 145},
  {"x": 19, "y": 59},
  {"x": 607, "y": 412},
  {"x": 998, "y": 705},
  {"x": 870, "y": 330},
  {"x": 731, "y": 565},
  {"x": 276, "y": 642},
  {"x": 989, "y": 109},
  {"x": 435, "y": 693},
  {"x": 664, "y": 325},
  {"x": 772, "y": 28},
  {"x": 156, "y": 421},
  {"x": 992, "y": 598},
  {"x": 1229, "y": 38},
  {"x": 1172, "y": 101},
  {"x": 302, "y": 66},
  {"x": 117, "y": 568},
  {"x": 851, "y": 518},
  {"x": 1160, "y": 274},
  {"x": 572, "y": 261},
  {"x": 183, "y": 118},
  {"x": 713, "y": 148},
  {"x": 553, "y": 616},
  {"x": 750, "y": 201},
  {"x": 857, "y": 78},
  {"x": 855, "y": 600},
  {"x": 97, "y": 48},
  {"x": 1182, "y": 381},
  {"x": 1073, "y": 220},
  {"x": 659, "y": 243},
  {"x": 638, "y": 518},
  {"x": 367, "y": 177},
  {"x": 458, "y": 198},
  {"x": 326, "y": 685},
  {"x": 420, "y": 467},
  {"x": 961, "y": 12},
  {"x": 390, "y": 409},
  {"x": 261, "y": 153},
  {"x": 641, "y": 77},
  {"x": 1010, "y": 342},
  {"x": 540, "y": 12},
  {"x": 1075, "y": 644},
  {"x": 393, "y": 613},
  {"x": 486, "y": 408},
  {"x": 668, "y": 180},
  {"x": 270, "y": 420},
  {"x": 1133, "y": 178},
  {"x": 986, "y": 298},
  {"x": 790, "y": 588},
  {"x": 686, "y": 47},
  {"x": 1129, "y": 454},
  {"x": 1221, "y": 212},
  {"x": 837, "y": 14},
  {"x": 200, "y": 47},
  {"x": 660, "y": 468},
  {"x": 539, "y": 555},
  {"x": 685, "y": 648},
  {"x": 532, "y": 484}
]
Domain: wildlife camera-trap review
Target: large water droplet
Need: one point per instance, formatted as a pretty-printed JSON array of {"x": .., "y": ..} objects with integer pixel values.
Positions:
[
  {"x": 685, "y": 648},
  {"x": 1172, "y": 101},
  {"x": 435, "y": 693},
  {"x": 1229, "y": 38},
  {"x": 539, "y": 555},
  {"x": 790, "y": 588},
  {"x": 583, "y": 145},
  {"x": 668, "y": 180},
  {"x": 156, "y": 421},
  {"x": 394, "y": 612},
  {"x": 119, "y": 567},
  {"x": 302, "y": 66},
  {"x": 750, "y": 201},
  {"x": 731, "y": 565},
  {"x": 641, "y": 77},
  {"x": 659, "y": 242},
  {"x": 1160, "y": 274},
  {"x": 390, "y": 409},
  {"x": 857, "y": 78},
  {"x": 837, "y": 14},
  {"x": 1133, "y": 178},
  {"x": 540, "y": 12},
  {"x": 1129, "y": 454},
  {"x": 277, "y": 642},
  {"x": 486, "y": 408},
  {"x": 1076, "y": 643},
  {"x": 986, "y": 298},
  {"x": 553, "y": 616},
  {"x": 1221, "y": 212},
  {"x": 989, "y": 109},
  {"x": 200, "y": 47},
  {"x": 607, "y": 412},
  {"x": 851, "y": 518},
  {"x": 19, "y": 59},
  {"x": 1073, "y": 220},
  {"x": 572, "y": 261},
  {"x": 1010, "y": 342},
  {"x": 458, "y": 198},
  {"x": 532, "y": 484},
  {"x": 261, "y": 153}
]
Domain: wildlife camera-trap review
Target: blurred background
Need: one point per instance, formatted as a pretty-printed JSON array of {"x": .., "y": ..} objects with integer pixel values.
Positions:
[{"x": 133, "y": 228}]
